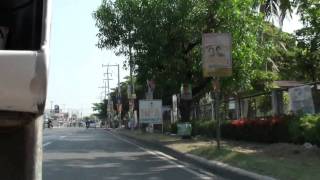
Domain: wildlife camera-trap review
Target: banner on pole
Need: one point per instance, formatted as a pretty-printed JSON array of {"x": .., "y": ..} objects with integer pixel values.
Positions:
[{"x": 186, "y": 91}]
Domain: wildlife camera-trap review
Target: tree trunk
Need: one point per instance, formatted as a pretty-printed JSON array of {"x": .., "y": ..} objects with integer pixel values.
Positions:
[{"x": 185, "y": 109}]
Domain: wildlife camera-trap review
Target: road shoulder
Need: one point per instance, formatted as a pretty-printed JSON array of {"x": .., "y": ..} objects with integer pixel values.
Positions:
[{"x": 216, "y": 167}]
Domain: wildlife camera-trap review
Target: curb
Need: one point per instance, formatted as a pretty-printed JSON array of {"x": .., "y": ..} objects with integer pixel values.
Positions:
[
  {"x": 227, "y": 169},
  {"x": 217, "y": 167}
]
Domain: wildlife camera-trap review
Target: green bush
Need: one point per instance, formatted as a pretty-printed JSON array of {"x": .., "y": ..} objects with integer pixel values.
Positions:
[
  {"x": 204, "y": 128},
  {"x": 305, "y": 128},
  {"x": 174, "y": 128},
  {"x": 310, "y": 128},
  {"x": 289, "y": 128},
  {"x": 294, "y": 129}
]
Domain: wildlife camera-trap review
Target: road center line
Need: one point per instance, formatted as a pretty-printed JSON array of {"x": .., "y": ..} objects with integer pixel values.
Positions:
[{"x": 166, "y": 157}]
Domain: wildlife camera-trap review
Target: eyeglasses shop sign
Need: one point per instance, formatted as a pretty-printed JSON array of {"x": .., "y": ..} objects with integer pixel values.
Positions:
[
  {"x": 216, "y": 54},
  {"x": 150, "y": 111}
]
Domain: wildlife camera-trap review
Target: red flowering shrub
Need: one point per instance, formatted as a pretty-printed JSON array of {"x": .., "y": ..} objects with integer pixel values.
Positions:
[
  {"x": 287, "y": 128},
  {"x": 267, "y": 129}
]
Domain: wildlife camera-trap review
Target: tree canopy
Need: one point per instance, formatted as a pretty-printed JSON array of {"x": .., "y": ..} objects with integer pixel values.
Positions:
[{"x": 165, "y": 38}]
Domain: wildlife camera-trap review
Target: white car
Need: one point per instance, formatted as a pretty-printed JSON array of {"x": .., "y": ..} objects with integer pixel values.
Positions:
[{"x": 93, "y": 124}]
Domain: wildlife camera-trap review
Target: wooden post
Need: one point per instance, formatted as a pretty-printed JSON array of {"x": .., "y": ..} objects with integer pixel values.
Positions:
[{"x": 216, "y": 90}]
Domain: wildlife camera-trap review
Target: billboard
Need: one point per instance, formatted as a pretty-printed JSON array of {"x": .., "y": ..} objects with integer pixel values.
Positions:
[
  {"x": 150, "y": 111},
  {"x": 216, "y": 54},
  {"x": 301, "y": 99}
]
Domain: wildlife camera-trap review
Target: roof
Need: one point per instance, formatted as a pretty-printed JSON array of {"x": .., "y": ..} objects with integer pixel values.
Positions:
[{"x": 287, "y": 84}]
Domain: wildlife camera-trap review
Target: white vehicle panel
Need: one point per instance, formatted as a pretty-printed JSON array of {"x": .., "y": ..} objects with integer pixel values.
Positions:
[{"x": 23, "y": 81}]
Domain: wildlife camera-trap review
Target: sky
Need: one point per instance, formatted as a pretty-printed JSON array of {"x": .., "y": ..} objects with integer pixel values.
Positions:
[{"x": 75, "y": 67}]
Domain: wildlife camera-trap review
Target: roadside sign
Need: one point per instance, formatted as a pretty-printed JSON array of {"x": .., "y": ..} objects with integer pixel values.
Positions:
[
  {"x": 301, "y": 99},
  {"x": 216, "y": 54},
  {"x": 56, "y": 109},
  {"x": 150, "y": 111}
]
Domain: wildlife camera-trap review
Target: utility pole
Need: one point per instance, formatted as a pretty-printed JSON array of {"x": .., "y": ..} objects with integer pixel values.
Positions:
[
  {"x": 105, "y": 92},
  {"x": 105, "y": 87},
  {"x": 108, "y": 79},
  {"x": 118, "y": 66},
  {"x": 119, "y": 88},
  {"x": 131, "y": 69}
]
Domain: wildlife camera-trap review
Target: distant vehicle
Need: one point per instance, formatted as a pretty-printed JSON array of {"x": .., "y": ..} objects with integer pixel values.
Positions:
[
  {"x": 91, "y": 124},
  {"x": 50, "y": 125}
]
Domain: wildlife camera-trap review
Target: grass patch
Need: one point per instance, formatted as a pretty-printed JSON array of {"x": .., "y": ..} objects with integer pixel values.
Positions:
[
  {"x": 277, "y": 167},
  {"x": 282, "y": 161}
]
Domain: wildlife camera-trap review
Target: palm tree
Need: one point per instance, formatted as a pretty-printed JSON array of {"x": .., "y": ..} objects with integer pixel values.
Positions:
[{"x": 275, "y": 8}]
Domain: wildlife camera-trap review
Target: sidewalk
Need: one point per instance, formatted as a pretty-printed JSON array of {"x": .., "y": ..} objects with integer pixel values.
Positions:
[{"x": 282, "y": 161}]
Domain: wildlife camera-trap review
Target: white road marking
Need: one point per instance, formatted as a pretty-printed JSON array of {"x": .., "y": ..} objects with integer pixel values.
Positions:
[
  {"x": 169, "y": 159},
  {"x": 46, "y": 144}
]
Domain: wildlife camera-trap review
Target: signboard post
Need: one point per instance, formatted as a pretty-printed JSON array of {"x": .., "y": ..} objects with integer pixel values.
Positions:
[
  {"x": 216, "y": 63},
  {"x": 174, "y": 108}
]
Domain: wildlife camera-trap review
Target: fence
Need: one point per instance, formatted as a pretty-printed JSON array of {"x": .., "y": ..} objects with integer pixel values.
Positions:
[{"x": 276, "y": 102}]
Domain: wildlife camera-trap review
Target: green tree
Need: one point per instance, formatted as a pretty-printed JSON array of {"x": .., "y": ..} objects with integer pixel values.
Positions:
[
  {"x": 275, "y": 8},
  {"x": 100, "y": 110},
  {"x": 309, "y": 39},
  {"x": 165, "y": 36},
  {"x": 297, "y": 56}
]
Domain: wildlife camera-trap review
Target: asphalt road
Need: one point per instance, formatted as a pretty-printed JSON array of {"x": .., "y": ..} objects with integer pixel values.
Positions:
[{"x": 96, "y": 154}]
